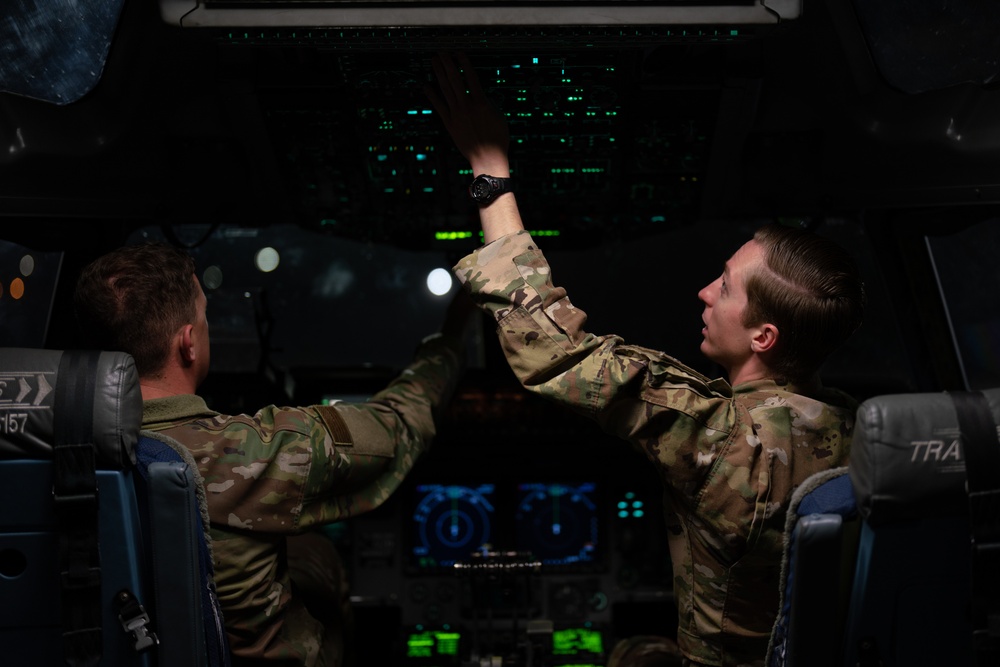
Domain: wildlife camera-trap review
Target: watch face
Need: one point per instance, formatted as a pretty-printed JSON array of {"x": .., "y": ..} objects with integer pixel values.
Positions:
[{"x": 480, "y": 189}]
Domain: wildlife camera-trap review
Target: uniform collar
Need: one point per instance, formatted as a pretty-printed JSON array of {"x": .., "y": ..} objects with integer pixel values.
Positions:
[{"x": 172, "y": 408}]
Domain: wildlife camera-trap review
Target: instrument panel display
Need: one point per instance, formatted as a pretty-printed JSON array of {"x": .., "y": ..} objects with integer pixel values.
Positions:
[{"x": 559, "y": 524}]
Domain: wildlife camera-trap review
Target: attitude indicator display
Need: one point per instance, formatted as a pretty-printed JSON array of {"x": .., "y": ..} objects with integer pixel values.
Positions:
[{"x": 451, "y": 522}]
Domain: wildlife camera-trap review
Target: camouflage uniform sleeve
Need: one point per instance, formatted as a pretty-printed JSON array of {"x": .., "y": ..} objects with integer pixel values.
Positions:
[
  {"x": 284, "y": 469},
  {"x": 372, "y": 446},
  {"x": 539, "y": 328},
  {"x": 543, "y": 337}
]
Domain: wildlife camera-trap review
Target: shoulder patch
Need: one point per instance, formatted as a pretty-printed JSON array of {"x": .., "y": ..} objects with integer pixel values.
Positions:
[{"x": 336, "y": 425}]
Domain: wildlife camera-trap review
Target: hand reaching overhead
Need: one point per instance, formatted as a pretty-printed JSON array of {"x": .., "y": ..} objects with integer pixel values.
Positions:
[{"x": 479, "y": 131}]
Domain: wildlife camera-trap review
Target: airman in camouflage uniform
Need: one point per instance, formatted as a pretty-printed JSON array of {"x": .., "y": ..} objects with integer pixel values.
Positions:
[
  {"x": 271, "y": 477},
  {"x": 285, "y": 470},
  {"x": 730, "y": 453},
  {"x": 729, "y": 457}
]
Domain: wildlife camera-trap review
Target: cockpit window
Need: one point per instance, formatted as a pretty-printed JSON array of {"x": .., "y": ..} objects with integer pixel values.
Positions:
[
  {"x": 965, "y": 264},
  {"x": 293, "y": 297}
]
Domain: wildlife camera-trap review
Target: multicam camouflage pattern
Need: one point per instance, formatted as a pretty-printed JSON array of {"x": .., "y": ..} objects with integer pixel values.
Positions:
[
  {"x": 645, "y": 651},
  {"x": 285, "y": 470},
  {"x": 729, "y": 457}
]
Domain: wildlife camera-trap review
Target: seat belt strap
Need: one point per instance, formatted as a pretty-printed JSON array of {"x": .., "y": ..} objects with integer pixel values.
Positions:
[
  {"x": 981, "y": 447},
  {"x": 74, "y": 491}
]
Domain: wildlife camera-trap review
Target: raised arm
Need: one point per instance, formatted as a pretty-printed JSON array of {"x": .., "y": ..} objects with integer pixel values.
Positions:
[{"x": 480, "y": 134}]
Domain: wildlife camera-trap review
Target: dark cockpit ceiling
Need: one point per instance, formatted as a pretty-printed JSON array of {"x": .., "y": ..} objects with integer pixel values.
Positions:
[
  {"x": 633, "y": 141},
  {"x": 621, "y": 129}
]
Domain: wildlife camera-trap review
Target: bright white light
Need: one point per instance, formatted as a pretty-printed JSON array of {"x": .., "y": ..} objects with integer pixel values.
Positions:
[
  {"x": 267, "y": 259},
  {"x": 439, "y": 282}
]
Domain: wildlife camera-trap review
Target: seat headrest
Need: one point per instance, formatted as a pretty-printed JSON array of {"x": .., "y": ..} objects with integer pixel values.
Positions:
[
  {"x": 47, "y": 395},
  {"x": 908, "y": 459}
]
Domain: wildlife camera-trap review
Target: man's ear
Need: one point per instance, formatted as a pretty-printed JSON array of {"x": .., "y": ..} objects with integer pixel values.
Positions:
[
  {"x": 764, "y": 339},
  {"x": 187, "y": 343}
]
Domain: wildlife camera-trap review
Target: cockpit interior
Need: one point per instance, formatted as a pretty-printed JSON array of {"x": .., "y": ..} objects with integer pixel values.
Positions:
[{"x": 291, "y": 149}]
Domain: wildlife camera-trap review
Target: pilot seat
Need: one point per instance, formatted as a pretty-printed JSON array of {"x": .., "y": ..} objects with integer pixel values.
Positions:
[
  {"x": 104, "y": 558},
  {"x": 894, "y": 561}
]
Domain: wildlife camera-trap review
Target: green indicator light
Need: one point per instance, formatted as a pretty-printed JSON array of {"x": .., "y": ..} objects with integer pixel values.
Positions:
[
  {"x": 412, "y": 112},
  {"x": 638, "y": 514},
  {"x": 630, "y": 495},
  {"x": 622, "y": 505},
  {"x": 623, "y": 514},
  {"x": 428, "y": 189},
  {"x": 447, "y": 643},
  {"x": 390, "y": 189},
  {"x": 451, "y": 236},
  {"x": 573, "y": 640},
  {"x": 420, "y": 645}
]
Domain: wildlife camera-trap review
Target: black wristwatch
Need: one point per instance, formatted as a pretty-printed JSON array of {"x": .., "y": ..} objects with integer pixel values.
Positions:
[{"x": 484, "y": 189}]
